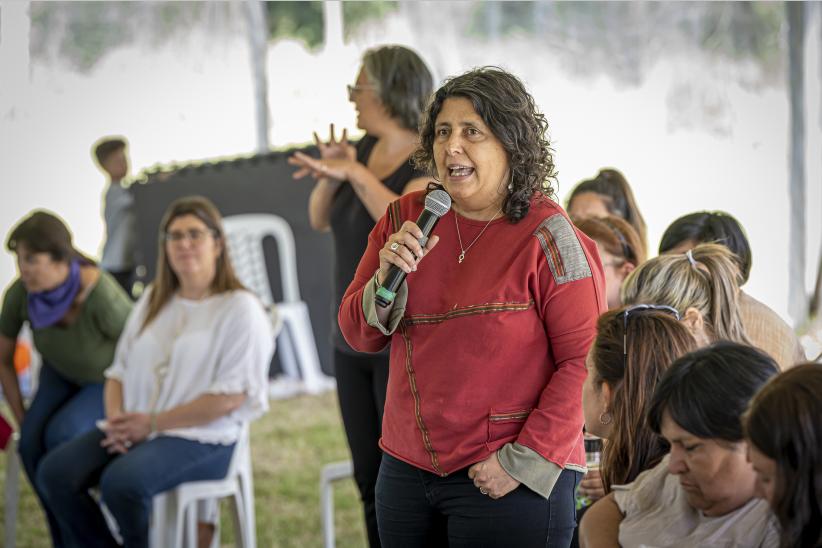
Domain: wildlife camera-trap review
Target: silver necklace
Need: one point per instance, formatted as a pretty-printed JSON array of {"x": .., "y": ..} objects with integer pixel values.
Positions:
[{"x": 464, "y": 250}]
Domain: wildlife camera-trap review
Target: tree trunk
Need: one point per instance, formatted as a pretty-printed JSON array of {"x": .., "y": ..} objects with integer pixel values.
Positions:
[
  {"x": 15, "y": 24},
  {"x": 258, "y": 46},
  {"x": 332, "y": 25},
  {"x": 797, "y": 296}
]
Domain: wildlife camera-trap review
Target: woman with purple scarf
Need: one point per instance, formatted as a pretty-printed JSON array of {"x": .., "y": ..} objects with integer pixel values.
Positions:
[{"x": 76, "y": 313}]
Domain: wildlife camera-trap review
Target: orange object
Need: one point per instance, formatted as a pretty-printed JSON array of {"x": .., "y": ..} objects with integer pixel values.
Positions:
[{"x": 22, "y": 357}]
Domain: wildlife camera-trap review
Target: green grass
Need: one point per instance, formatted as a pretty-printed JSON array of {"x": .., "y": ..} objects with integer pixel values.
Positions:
[{"x": 289, "y": 447}]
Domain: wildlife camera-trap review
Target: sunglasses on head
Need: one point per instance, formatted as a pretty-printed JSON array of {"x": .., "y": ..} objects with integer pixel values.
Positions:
[{"x": 638, "y": 309}]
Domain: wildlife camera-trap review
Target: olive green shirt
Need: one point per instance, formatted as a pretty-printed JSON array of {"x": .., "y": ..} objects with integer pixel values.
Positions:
[{"x": 80, "y": 351}]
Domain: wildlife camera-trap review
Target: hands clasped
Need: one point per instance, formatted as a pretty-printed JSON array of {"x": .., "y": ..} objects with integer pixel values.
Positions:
[
  {"x": 125, "y": 430},
  {"x": 338, "y": 159}
]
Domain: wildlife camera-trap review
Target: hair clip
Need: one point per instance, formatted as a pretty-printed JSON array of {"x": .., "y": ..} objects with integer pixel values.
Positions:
[{"x": 690, "y": 256}]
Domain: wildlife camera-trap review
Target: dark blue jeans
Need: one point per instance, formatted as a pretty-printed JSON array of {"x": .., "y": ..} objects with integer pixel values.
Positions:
[
  {"x": 61, "y": 411},
  {"x": 127, "y": 483},
  {"x": 416, "y": 508}
]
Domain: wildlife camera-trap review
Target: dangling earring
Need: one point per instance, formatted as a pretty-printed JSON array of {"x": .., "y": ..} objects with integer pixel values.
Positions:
[
  {"x": 511, "y": 183},
  {"x": 605, "y": 418}
]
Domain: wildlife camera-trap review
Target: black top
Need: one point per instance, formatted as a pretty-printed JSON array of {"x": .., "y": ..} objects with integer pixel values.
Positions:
[{"x": 350, "y": 225}]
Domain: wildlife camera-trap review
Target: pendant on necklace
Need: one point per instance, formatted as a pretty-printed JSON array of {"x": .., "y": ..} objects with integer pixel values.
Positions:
[{"x": 462, "y": 257}]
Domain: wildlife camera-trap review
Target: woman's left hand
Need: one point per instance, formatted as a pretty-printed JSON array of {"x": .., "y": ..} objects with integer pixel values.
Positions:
[
  {"x": 491, "y": 478},
  {"x": 130, "y": 428}
]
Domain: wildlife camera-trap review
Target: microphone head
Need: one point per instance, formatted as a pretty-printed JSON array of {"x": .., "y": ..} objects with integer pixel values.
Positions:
[{"x": 438, "y": 202}]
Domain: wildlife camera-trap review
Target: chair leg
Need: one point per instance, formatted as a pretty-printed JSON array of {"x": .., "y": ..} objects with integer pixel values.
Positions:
[
  {"x": 191, "y": 524},
  {"x": 306, "y": 347},
  {"x": 250, "y": 521},
  {"x": 287, "y": 353},
  {"x": 327, "y": 512},
  {"x": 12, "y": 491}
]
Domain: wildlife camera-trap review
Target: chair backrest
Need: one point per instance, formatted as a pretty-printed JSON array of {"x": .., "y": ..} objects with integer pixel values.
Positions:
[
  {"x": 245, "y": 234},
  {"x": 241, "y": 453}
]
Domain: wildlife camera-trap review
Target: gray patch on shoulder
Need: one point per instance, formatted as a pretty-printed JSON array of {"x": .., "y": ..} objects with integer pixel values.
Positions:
[{"x": 565, "y": 255}]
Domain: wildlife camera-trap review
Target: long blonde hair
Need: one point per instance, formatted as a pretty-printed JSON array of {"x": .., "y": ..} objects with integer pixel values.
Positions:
[
  {"x": 705, "y": 278},
  {"x": 166, "y": 282}
]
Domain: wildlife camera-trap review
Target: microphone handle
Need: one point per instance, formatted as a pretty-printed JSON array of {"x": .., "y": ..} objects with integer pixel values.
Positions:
[{"x": 388, "y": 290}]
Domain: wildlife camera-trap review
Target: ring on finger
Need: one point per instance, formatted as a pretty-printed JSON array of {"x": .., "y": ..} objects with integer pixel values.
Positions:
[
  {"x": 127, "y": 444},
  {"x": 394, "y": 247}
]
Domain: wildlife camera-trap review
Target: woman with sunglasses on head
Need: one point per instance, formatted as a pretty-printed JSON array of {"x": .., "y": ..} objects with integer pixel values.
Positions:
[
  {"x": 354, "y": 186},
  {"x": 702, "y": 284},
  {"x": 704, "y": 492},
  {"x": 76, "y": 312},
  {"x": 620, "y": 249},
  {"x": 633, "y": 348},
  {"x": 190, "y": 369},
  {"x": 762, "y": 325},
  {"x": 784, "y": 431}
]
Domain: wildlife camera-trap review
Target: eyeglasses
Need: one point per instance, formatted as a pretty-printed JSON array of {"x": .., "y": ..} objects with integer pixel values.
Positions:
[
  {"x": 356, "y": 89},
  {"x": 195, "y": 235},
  {"x": 638, "y": 309}
]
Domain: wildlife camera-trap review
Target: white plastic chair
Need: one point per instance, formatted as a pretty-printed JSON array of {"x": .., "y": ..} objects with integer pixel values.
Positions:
[
  {"x": 331, "y": 473},
  {"x": 296, "y": 346},
  {"x": 175, "y": 511},
  {"x": 11, "y": 491}
]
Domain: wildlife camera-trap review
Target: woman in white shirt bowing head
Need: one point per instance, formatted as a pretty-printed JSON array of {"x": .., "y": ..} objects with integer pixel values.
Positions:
[
  {"x": 704, "y": 492},
  {"x": 190, "y": 368}
]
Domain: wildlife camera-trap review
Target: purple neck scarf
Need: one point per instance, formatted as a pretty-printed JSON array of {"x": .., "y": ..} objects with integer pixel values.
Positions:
[{"x": 46, "y": 308}]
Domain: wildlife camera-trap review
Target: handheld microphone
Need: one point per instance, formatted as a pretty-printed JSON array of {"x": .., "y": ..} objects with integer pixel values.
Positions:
[{"x": 437, "y": 204}]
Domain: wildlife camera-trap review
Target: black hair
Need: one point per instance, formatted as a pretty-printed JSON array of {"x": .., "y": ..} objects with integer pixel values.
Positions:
[
  {"x": 711, "y": 227},
  {"x": 784, "y": 424},
  {"x": 707, "y": 391},
  {"x": 44, "y": 232}
]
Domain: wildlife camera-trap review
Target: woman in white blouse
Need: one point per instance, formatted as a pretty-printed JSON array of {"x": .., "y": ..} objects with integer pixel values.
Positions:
[
  {"x": 704, "y": 491},
  {"x": 190, "y": 367}
]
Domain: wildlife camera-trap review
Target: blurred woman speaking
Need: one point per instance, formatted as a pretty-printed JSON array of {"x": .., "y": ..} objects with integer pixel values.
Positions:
[{"x": 483, "y": 423}]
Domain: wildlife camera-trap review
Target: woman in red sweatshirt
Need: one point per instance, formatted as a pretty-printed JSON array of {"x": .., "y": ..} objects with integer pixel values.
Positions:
[{"x": 482, "y": 431}]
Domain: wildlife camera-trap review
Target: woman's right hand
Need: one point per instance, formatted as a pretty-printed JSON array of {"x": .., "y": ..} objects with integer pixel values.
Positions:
[{"x": 402, "y": 249}]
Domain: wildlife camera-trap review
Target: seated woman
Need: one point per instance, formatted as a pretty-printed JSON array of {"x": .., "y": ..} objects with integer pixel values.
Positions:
[
  {"x": 762, "y": 325},
  {"x": 190, "y": 368},
  {"x": 607, "y": 194},
  {"x": 634, "y": 346},
  {"x": 784, "y": 433},
  {"x": 76, "y": 313},
  {"x": 620, "y": 250},
  {"x": 701, "y": 284},
  {"x": 704, "y": 492}
]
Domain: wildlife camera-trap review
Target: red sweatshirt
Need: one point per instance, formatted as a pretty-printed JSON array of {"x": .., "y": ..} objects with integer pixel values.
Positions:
[{"x": 489, "y": 351}]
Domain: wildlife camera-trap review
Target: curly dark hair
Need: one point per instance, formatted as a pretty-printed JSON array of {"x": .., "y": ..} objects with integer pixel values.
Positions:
[{"x": 511, "y": 113}]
